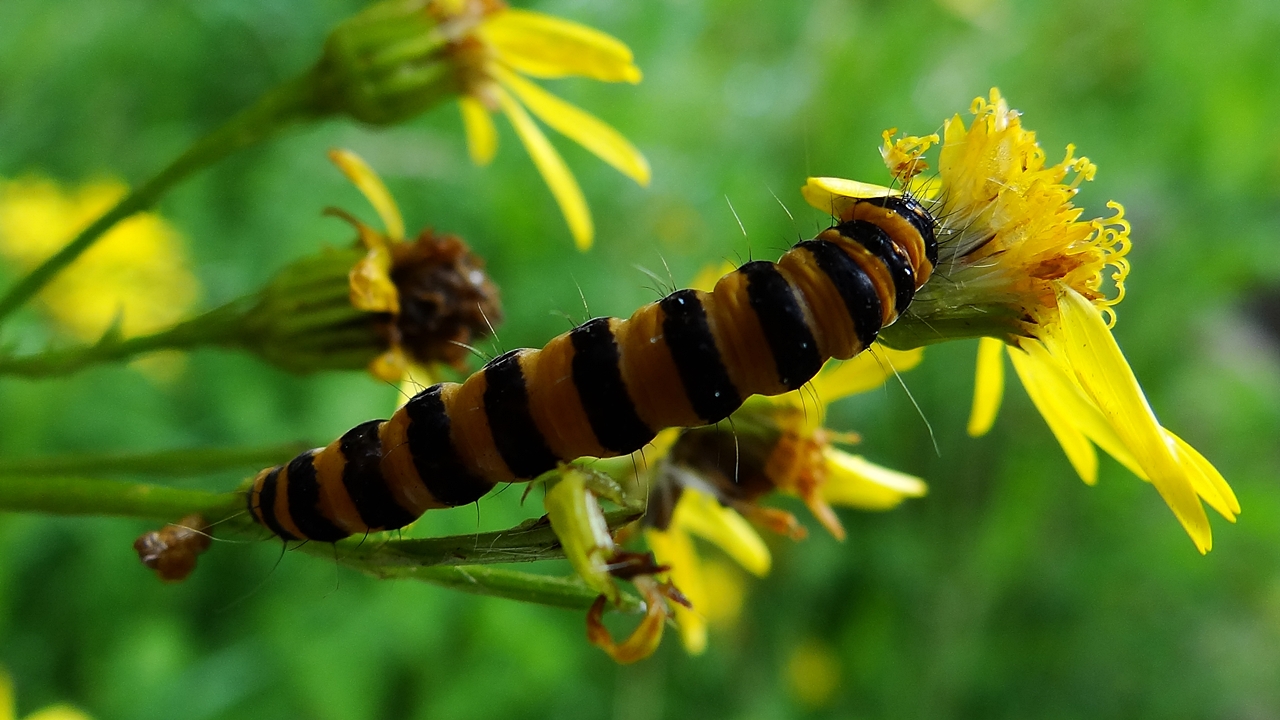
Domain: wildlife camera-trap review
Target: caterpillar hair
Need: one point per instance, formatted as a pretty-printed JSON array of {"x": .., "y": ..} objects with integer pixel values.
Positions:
[{"x": 608, "y": 386}]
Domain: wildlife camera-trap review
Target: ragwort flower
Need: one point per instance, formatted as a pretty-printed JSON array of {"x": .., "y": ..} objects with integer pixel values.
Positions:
[
  {"x": 385, "y": 304},
  {"x": 503, "y": 45},
  {"x": 1018, "y": 265}
]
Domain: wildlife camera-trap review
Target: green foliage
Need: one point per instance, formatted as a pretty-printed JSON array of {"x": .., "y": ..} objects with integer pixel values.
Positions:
[{"x": 1010, "y": 591}]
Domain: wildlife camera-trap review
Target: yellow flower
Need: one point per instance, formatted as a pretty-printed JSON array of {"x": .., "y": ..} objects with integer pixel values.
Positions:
[
  {"x": 8, "y": 711},
  {"x": 134, "y": 281},
  {"x": 808, "y": 465},
  {"x": 501, "y": 45},
  {"x": 1022, "y": 267}
]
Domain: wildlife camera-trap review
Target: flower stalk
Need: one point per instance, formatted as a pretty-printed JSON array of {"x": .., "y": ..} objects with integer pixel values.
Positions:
[
  {"x": 285, "y": 323},
  {"x": 186, "y": 462},
  {"x": 446, "y": 561}
]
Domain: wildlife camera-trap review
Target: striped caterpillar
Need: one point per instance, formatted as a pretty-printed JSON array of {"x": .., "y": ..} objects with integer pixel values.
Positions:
[{"x": 607, "y": 387}]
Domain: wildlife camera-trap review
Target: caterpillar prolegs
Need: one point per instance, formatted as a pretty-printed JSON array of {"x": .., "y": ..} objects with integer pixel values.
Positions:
[{"x": 608, "y": 386}]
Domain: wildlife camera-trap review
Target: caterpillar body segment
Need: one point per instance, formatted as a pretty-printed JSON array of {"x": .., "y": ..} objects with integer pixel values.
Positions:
[{"x": 608, "y": 386}]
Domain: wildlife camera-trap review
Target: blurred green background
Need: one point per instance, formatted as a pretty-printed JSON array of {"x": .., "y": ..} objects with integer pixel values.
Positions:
[{"x": 1011, "y": 591}]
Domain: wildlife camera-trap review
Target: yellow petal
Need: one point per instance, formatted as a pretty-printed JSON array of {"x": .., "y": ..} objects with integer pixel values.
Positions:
[
  {"x": 988, "y": 386},
  {"x": 413, "y": 380},
  {"x": 674, "y": 549},
  {"x": 1105, "y": 375},
  {"x": 368, "y": 183},
  {"x": 863, "y": 372},
  {"x": 830, "y": 194},
  {"x": 556, "y": 174},
  {"x": 1050, "y": 405},
  {"x": 546, "y": 46},
  {"x": 390, "y": 365},
  {"x": 1208, "y": 482},
  {"x": 852, "y": 481},
  {"x": 482, "y": 136},
  {"x": 725, "y": 589},
  {"x": 661, "y": 445},
  {"x": 579, "y": 126},
  {"x": 1069, "y": 403},
  {"x": 705, "y": 517},
  {"x": 371, "y": 287}
]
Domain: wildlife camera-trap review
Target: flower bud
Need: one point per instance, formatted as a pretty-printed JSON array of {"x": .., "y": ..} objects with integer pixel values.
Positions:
[
  {"x": 305, "y": 319},
  {"x": 389, "y": 62}
]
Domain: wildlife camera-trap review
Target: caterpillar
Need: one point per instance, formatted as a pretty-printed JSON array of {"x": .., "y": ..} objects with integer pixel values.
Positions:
[{"x": 606, "y": 388}]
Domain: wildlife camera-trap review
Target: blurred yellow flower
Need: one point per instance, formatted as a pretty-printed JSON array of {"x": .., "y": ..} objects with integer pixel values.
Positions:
[
  {"x": 8, "y": 709},
  {"x": 813, "y": 674},
  {"x": 494, "y": 48},
  {"x": 136, "y": 280},
  {"x": 1024, "y": 268}
]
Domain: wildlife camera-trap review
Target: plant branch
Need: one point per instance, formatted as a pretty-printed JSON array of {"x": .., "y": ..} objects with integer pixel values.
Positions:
[
  {"x": 511, "y": 584},
  {"x": 165, "y": 463},
  {"x": 90, "y": 496},
  {"x": 446, "y": 561}
]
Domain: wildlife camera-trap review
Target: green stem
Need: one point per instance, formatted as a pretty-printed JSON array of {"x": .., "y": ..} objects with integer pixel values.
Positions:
[
  {"x": 512, "y": 585},
  {"x": 222, "y": 325},
  {"x": 931, "y": 323},
  {"x": 290, "y": 102},
  {"x": 530, "y": 541},
  {"x": 165, "y": 463},
  {"x": 89, "y": 496}
]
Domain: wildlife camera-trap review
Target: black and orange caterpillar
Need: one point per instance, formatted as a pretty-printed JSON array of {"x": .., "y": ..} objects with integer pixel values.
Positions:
[{"x": 607, "y": 387}]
